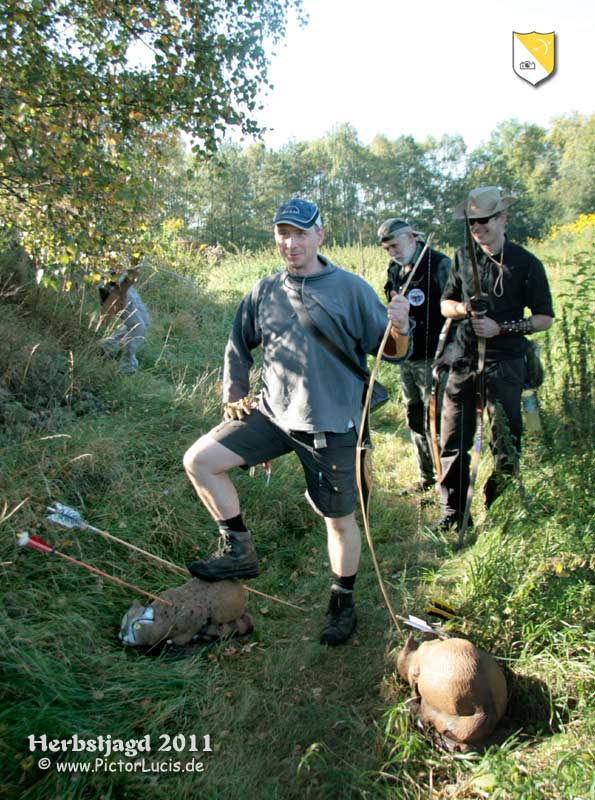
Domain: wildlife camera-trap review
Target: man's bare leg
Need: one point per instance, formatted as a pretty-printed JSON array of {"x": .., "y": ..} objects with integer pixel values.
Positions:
[
  {"x": 206, "y": 463},
  {"x": 344, "y": 548},
  {"x": 344, "y": 544}
]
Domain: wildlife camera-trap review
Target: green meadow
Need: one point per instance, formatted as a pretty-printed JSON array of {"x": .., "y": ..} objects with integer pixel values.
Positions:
[{"x": 283, "y": 717}]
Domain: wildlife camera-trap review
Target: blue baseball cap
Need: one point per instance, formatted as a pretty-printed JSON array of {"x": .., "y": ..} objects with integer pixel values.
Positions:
[{"x": 300, "y": 213}]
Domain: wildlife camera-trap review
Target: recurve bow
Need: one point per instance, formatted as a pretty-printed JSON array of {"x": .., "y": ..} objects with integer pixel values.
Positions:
[
  {"x": 433, "y": 404},
  {"x": 363, "y": 441},
  {"x": 479, "y": 391}
]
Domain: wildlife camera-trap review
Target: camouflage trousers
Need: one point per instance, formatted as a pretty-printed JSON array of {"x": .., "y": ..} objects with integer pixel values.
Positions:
[{"x": 416, "y": 388}]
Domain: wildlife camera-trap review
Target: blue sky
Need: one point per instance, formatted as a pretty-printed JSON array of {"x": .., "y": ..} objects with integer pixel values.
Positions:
[{"x": 425, "y": 68}]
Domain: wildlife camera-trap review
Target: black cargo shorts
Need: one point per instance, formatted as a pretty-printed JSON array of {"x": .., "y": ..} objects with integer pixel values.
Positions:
[{"x": 329, "y": 470}]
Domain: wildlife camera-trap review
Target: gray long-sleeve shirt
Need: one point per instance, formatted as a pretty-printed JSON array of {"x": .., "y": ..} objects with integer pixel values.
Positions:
[{"x": 304, "y": 387}]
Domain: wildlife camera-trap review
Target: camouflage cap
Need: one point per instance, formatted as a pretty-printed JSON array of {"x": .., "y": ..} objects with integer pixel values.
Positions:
[{"x": 394, "y": 227}]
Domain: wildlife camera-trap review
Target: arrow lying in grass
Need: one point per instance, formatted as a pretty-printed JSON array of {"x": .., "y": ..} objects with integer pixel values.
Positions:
[
  {"x": 70, "y": 518},
  {"x": 26, "y": 539},
  {"x": 421, "y": 625}
]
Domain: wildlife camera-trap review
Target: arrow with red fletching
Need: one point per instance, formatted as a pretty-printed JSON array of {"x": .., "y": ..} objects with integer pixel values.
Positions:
[
  {"x": 26, "y": 539},
  {"x": 70, "y": 518}
]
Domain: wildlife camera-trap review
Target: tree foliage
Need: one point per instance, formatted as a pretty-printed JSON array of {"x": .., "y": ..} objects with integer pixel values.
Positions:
[
  {"x": 551, "y": 172},
  {"x": 88, "y": 92},
  {"x": 573, "y": 140},
  {"x": 94, "y": 96}
]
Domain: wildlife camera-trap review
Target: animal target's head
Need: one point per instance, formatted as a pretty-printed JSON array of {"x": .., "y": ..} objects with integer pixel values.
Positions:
[
  {"x": 404, "y": 657},
  {"x": 137, "y": 624}
]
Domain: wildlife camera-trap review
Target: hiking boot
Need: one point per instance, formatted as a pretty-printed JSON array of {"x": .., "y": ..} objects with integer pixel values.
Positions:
[
  {"x": 235, "y": 558},
  {"x": 340, "y": 619}
]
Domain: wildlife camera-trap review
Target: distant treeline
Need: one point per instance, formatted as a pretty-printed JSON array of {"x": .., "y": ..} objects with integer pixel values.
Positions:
[{"x": 230, "y": 201}]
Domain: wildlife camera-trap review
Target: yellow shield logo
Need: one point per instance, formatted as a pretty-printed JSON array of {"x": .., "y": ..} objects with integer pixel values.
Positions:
[{"x": 534, "y": 55}]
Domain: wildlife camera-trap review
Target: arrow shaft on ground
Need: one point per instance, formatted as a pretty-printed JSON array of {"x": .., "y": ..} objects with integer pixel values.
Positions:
[
  {"x": 72, "y": 515},
  {"x": 26, "y": 540}
]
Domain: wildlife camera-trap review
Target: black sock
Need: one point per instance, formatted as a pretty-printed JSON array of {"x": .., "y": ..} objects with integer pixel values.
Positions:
[
  {"x": 235, "y": 524},
  {"x": 343, "y": 583}
]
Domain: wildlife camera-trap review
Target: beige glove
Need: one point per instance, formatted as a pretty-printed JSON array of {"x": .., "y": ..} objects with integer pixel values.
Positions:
[{"x": 238, "y": 409}]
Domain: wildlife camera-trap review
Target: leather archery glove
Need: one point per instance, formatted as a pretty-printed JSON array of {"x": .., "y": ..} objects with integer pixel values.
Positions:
[
  {"x": 477, "y": 306},
  {"x": 238, "y": 409}
]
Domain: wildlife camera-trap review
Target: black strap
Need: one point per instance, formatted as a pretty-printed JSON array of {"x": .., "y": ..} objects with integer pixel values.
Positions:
[{"x": 322, "y": 338}]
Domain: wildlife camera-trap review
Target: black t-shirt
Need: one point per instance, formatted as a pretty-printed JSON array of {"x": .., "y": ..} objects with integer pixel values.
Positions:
[
  {"x": 524, "y": 285},
  {"x": 424, "y": 294}
]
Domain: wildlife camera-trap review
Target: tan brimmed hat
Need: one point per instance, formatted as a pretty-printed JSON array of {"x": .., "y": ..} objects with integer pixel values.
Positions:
[{"x": 483, "y": 202}]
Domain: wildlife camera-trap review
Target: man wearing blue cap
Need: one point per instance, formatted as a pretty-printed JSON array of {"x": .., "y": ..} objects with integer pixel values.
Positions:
[{"x": 310, "y": 402}]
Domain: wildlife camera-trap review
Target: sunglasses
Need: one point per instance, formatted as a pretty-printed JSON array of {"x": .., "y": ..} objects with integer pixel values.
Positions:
[{"x": 483, "y": 220}]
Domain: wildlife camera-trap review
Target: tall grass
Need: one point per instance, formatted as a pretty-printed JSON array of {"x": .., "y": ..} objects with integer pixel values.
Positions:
[{"x": 287, "y": 718}]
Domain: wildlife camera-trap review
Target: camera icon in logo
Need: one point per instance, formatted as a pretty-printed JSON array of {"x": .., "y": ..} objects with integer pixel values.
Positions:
[{"x": 527, "y": 65}]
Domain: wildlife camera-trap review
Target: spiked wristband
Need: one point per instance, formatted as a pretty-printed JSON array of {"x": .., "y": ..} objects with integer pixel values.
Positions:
[{"x": 522, "y": 327}]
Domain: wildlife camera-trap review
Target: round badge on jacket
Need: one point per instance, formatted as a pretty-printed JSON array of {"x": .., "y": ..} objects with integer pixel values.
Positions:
[{"x": 416, "y": 297}]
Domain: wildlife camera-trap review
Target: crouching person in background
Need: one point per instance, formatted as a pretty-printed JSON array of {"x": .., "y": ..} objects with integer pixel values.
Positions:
[{"x": 119, "y": 299}]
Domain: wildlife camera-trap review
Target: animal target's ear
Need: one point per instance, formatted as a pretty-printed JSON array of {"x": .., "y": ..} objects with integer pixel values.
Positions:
[{"x": 148, "y": 614}]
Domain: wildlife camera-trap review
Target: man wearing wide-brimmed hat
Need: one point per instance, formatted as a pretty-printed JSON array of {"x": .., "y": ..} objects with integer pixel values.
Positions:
[
  {"x": 511, "y": 280},
  {"x": 310, "y": 402},
  {"x": 404, "y": 245}
]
